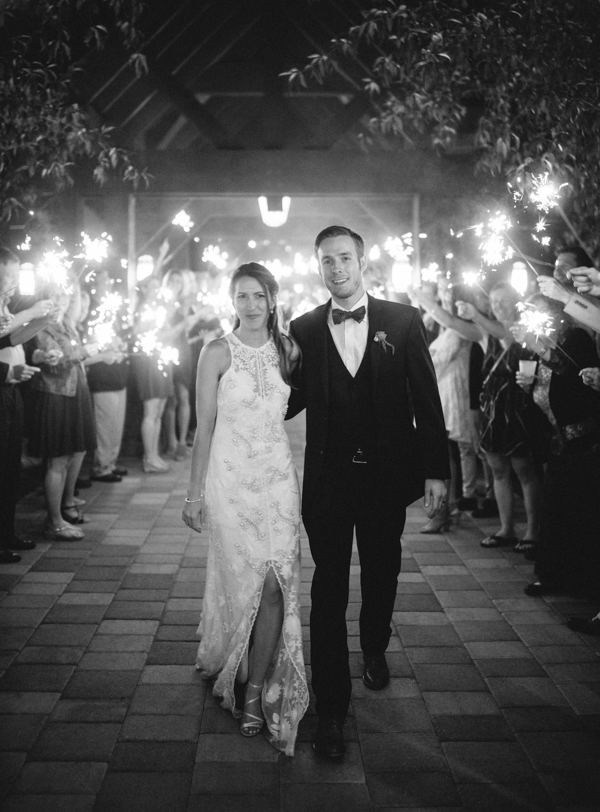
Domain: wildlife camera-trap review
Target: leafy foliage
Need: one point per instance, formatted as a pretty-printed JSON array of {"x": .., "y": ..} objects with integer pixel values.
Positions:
[
  {"x": 529, "y": 68},
  {"x": 44, "y": 132}
]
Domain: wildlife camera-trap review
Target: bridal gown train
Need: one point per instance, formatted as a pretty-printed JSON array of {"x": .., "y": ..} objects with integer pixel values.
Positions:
[{"x": 253, "y": 518}]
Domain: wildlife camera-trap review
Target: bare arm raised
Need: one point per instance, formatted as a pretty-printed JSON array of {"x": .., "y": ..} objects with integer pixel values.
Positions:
[{"x": 214, "y": 361}]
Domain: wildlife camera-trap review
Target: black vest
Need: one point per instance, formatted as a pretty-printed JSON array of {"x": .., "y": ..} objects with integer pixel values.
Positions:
[{"x": 351, "y": 417}]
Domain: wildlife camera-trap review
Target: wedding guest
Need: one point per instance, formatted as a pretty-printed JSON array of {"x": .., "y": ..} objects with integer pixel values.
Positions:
[
  {"x": 13, "y": 371},
  {"x": 567, "y": 555},
  {"x": 514, "y": 431},
  {"x": 62, "y": 428}
]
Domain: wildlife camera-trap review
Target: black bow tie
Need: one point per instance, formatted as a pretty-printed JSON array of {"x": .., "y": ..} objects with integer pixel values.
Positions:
[{"x": 341, "y": 315}]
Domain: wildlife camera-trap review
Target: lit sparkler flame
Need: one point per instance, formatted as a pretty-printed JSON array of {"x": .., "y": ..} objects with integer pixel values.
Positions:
[
  {"x": 102, "y": 326},
  {"x": 399, "y": 248},
  {"x": 541, "y": 224},
  {"x": 495, "y": 250},
  {"x": 213, "y": 254},
  {"x": 545, "y": 193},
  {"x": 470, "y": 278},
  {"x": 535, "y": 321},
  {"x": 431, "y": 273},
  {"x": 94, "y": 250},
  {"x": 183, "y": 220},
  {"x": 54, "y": 268}
]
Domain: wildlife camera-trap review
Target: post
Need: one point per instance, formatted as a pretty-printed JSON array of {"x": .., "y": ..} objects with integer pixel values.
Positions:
[
  {"x": 131, "y": 252},
  {"x": 416, "y": 230}
]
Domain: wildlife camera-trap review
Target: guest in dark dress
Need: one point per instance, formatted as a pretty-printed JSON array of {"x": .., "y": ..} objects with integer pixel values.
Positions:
[
  {"x": 568, "y": 553},
  {"x": 154, "y": 384},
  {"x": 62, "y": 424},
  {"x": 182, "y": 286},
  {"x": 514, "y": 430}
]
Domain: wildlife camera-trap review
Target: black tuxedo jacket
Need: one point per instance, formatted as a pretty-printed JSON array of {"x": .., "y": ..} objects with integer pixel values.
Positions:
[{"x": 410, "y": 432}]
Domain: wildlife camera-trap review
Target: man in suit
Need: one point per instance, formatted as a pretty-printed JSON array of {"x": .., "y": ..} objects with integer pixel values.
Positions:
[{"x": 375, "y": 442}]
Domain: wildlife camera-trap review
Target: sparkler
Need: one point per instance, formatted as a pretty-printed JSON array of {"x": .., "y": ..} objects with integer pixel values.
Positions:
[
  {"x": 94, "y": 250},
  {"x": 431, "y": 273},
  {"x": 472, "y": 278},
  {"x": 213, "y": 254},
  {"x": 54, "y": 269},
  {"x": 399, "y": 248},
  {"x": 102, "y": 326},
  {"x": 183, "y": 220},
  {"x": 535, "y": 321},
  {"x": 546, "y": 196}
]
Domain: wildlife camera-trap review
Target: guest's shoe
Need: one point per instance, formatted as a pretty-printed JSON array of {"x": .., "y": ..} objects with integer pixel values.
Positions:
[
  {"x": 250, "y": 729},
  {"x": 82, "y": 483},
  {"x": 438, "y": 523},
  {"x": 155, "y": 467},
  {"x": 466, "y": 503},
  {"x": 73, "y": 515},
  {"x": 537, "y": 589},
  {"x": 112, "y": 477},
  {"x": 21, "y": 544},
  {"x": 524, "y": 546},
  {"x": 488, "y": 510},
  {"x": 8, "y": 557},
  {"x": 120, "y": 471},
  {"x": 329, "y": 739},
  {"x": 181, "y": 453},
  {"x": 499, "y": 541},
  {"x": 585, "y": 625},
  {"x": 63, "y": 532},
  {"x": 376, "y": 674}
]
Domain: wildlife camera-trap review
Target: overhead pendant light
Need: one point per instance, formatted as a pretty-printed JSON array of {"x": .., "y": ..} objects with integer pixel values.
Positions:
[{"x": 274, "y": 210}]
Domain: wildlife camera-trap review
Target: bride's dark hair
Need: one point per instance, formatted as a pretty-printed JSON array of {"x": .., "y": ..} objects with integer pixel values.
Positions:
[{"x": 268, "y": 283}]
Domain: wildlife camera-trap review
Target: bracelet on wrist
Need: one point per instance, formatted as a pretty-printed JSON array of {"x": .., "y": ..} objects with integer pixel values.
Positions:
[{"x": 190, "y": 501}]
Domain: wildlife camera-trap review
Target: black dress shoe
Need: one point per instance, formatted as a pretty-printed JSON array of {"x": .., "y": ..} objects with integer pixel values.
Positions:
[
  {"x": 106, "y": 478},
  {"x": 585, "y": 625},
  {"x": 376, "y": 674},
  {"x": 488, "y": 510},
  {"x": 120, "y": 471},
  {"x": 82, "y": 483},
  {"x": 21, "y": 544},
  {"x": 329, "y": 741},
  {"x": 466, "y": 503},
  {"x": 8, "y": 557},
  {"x": 537, "y": 589}
]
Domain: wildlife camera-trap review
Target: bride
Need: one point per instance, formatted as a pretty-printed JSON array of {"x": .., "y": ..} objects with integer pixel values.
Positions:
[{"x": 244, "y": 490}]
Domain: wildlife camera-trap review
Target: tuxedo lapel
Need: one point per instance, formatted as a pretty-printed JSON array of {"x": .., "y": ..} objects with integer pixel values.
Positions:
[
  {"x": 373, "y": 347},
  {"x": 321, "y": 348}
]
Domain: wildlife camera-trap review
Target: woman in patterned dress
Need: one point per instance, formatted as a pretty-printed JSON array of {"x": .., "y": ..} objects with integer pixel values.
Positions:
[{"x": 244, "y": 490}]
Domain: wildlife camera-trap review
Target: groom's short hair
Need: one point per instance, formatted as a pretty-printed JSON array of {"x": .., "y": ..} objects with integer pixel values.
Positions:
[{"x": 341, "y": 231}]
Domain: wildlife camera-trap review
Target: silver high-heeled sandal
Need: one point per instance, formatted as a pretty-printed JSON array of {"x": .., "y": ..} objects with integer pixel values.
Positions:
[{"x": 250, "y": 729}]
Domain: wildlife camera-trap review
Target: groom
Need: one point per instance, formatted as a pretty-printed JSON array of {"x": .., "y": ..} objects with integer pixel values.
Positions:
[{"x": 375, "y": 442}]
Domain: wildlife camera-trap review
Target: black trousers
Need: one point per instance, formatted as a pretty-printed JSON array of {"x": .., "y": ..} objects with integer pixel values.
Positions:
[
  {"x": 350, "y": 499},
  {"x": 11, "y": 438}
]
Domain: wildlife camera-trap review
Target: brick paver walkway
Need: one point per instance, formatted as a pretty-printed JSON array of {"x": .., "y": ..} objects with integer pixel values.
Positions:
[{"x": 494, "y": 704}]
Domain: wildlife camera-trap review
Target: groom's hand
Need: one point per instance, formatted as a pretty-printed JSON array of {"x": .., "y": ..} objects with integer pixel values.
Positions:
[{"x": 435, "y": 496}]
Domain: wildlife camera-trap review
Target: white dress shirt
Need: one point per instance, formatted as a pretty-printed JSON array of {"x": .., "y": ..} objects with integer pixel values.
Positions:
[{"x": 349, "y": 336}]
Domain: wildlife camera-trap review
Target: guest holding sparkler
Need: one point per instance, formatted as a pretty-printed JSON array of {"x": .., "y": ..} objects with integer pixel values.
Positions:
[
  {"x": 182, "y": 287},
  {"x": 567, "y": 555},
  {"x": 13, "y": 371},
  {"x": 515, "y": 431},
  {"x": 107, "y": 377},
  {"x": 62, "y": 427},
  {"x": 574, "y": 264},
  {"x": 154, "y": 379},
  {"x": 468, "y": 409},
  {"x": 450, "y": 353}
]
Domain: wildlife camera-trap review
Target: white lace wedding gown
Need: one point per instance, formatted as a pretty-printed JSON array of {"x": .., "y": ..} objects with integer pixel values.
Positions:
[{"x": 253, "y": 510}]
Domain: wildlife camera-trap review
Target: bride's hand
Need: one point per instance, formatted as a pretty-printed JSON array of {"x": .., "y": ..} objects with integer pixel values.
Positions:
[{"x": 194, "y": 514}]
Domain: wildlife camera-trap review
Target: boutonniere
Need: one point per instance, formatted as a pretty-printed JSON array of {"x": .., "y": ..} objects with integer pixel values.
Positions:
[{"x": 381, "y": 338}]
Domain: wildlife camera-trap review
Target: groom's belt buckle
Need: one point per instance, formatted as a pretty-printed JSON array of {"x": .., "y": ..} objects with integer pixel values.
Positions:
[{"x": 359, "y": 457}]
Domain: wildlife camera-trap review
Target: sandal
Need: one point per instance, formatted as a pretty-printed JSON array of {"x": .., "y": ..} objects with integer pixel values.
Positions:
[
  {"x": 64, "y": 532},
  {"x": 78, "y": 502},
  {"x": 250, "y": 729},
  {"x": 524, "y": 546},
  {"x": 498, "y": 541},
  {"x": 73, "y": 515}
]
